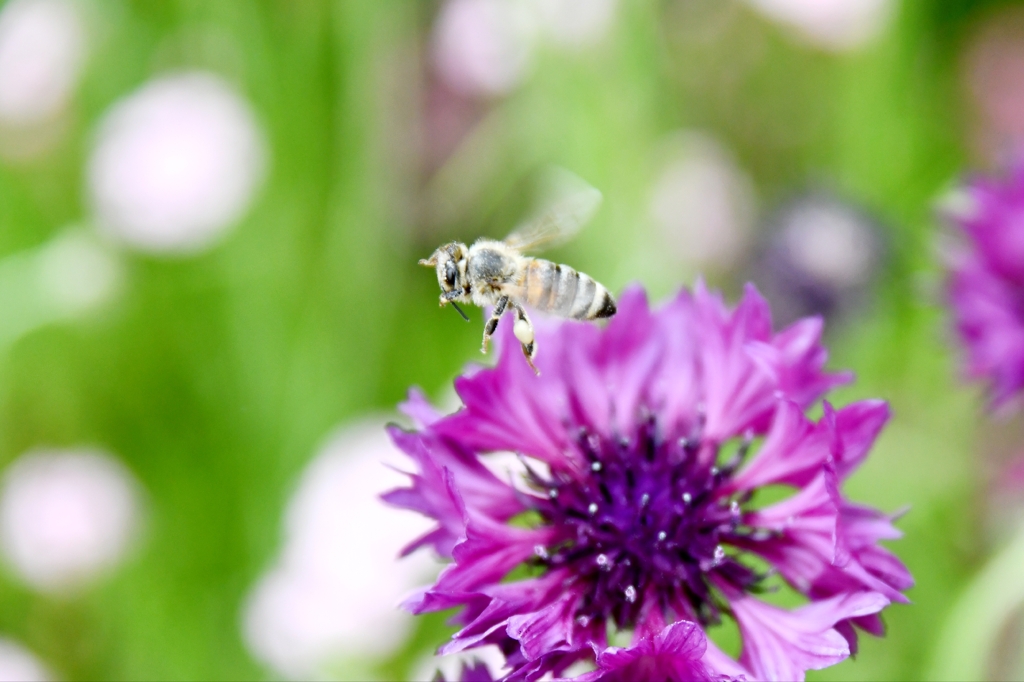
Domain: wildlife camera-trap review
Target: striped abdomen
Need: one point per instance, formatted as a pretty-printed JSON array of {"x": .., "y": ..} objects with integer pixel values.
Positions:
[{"x": 560, "y": 290}]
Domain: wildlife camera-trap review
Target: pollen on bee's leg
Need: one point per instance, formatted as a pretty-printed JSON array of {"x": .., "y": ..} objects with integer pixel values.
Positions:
[{"x": 524, "y": 332}]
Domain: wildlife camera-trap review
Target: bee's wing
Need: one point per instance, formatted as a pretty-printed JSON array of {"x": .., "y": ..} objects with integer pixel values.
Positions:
[{"x": 558, "y": 224}]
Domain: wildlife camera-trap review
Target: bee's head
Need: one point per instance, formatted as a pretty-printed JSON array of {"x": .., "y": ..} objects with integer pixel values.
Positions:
[{"x": 450, "y": 264}]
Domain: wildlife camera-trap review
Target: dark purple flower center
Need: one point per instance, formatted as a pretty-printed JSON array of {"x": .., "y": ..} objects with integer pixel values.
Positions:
[{"x": 644, "y": 519}]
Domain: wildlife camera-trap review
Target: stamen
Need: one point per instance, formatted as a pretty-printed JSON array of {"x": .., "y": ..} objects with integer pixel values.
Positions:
[{"x": 616, "y": 531}]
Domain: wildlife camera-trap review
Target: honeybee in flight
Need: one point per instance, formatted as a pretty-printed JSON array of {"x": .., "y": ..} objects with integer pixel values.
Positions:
[{"x": 498, "y": 273}]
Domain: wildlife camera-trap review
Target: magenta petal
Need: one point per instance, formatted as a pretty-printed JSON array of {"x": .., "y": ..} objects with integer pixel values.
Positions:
[
  {"x": 487, "y": 553},
  {"x": 547, "y": 630},
  {"x": 990, "y": 327},
  {"x": 419, "y": 409},
  {"x": 872, "y": 624},
  {"x": 809, "y": 512},
  {"x": 442, "y": 472},
  {"x": 608, "y": 376},
  {"x": 736, "y": 396},
  {"x": 433, "y": 494},
  {"x": 672, "y": 655},
  {"x": 793, "y": 450},
  {"x": 858, "y": 426},
  {"x": 746, "y": 368},
  {"x": 676, "y": 390},
  {"x": 479, "y": 488},
  {"x": 632, "y": 358},
  {"x": 487, "y": 621},
  {"x": 798, "y": 360},
  {"x": 985, "y": 281},
  {"x": 508, "y": 408},
  {"x": 587, "y": 394},
  {"x": 864, "y": 526},
  {"x": 428, "y": 601},
  {"x": 823, "y": 546},
  {"x": 861, "y": 529},
  {"x": 781, "y": 645}
]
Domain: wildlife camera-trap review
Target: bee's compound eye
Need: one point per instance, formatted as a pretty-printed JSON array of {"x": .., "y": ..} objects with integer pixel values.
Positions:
[{"x": 450, "y": 273}]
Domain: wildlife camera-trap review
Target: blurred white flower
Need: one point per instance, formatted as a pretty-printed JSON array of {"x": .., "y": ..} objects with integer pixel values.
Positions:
[
  {"x": 176, "y": 163},
  {"x": 575, "y": 23},
  {"x": 833, "y": 24},
  {"x": 17, "y": 664},
  {"x": 66, "y": 516},
  {"x": 484, "y": 47},
  {"x": 42, "y": 50},
  {"x": 451, "y": 665},
  {"x": 333, "y": 594},
  {"x": 77, "y": 272},
  {"x": 703, "y": 203}
]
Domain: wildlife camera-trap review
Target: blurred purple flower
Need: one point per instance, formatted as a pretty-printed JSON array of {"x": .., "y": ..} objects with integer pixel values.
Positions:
[
  {"x": 636, "y": 506},
  {"x": 985, "y": 286},
  {"x": 819, "y": 255}
]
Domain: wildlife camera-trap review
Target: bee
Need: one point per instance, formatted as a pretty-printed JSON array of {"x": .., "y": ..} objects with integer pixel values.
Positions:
[{"x": 499, "y": 274}]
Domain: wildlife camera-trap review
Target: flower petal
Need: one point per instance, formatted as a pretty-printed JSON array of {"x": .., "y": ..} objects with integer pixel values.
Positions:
[
  {"x": 782, "y": 645},
  {"x": 548, "y": 630},
  {"x": 419, "y": 409},
  {"x": 433, "y": 494},
  {"x": 674, "y": 655}
]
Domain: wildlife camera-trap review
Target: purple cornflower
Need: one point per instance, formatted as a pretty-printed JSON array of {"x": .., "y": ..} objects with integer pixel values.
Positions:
[
  {"x": 637, "y": 509},
  {"x": 986, "y": 280}
]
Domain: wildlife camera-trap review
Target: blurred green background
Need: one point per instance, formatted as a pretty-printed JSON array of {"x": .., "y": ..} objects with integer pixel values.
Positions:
[{"x": 215, "y": 371}]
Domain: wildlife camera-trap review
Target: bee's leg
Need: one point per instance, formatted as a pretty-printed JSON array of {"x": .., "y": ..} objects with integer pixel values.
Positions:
[
  {"x": 524, "y": 332},
  {"x": 449, "y": 296},
  {"x": 492, "y": 324}
]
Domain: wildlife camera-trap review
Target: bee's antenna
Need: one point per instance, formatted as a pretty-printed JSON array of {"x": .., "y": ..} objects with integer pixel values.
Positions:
[{"x": 456, "y": 306}]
